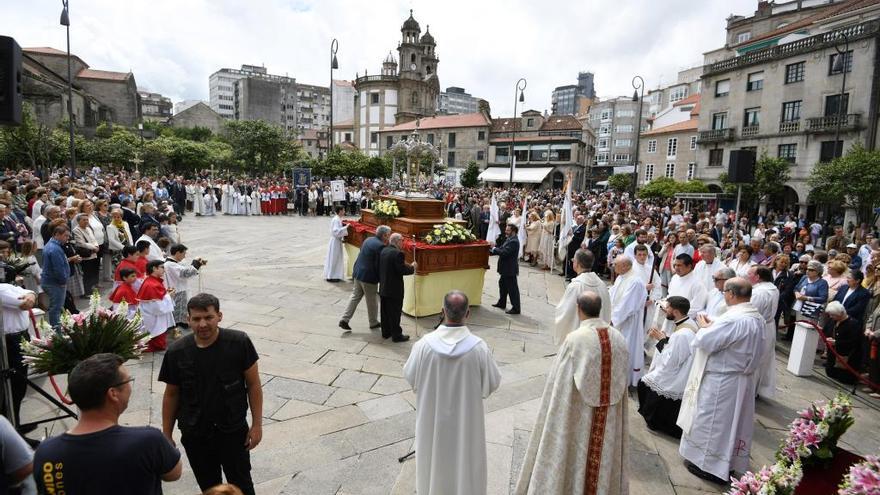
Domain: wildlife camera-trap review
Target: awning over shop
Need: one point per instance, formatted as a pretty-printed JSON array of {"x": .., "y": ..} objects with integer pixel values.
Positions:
[{"x": 522, "y": 175}]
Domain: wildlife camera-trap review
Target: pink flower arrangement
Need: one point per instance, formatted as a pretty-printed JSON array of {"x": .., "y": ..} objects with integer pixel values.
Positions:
[
  {"x": 863, "y": 478},
  {"x": 778, "y": 479},
  {"x": 813, "y": 435}
]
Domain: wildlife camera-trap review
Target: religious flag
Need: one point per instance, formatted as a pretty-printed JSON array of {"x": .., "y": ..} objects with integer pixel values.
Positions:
[
  {"x": 494, "y": 229},
  {"x": 567, "y": 222},
  {"x": 521, "y": 235}
]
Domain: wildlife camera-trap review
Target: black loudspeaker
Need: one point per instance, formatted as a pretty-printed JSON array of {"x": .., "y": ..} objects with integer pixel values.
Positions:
[
  {"x": 741, "y": 169},
  {"x": 10, "y": 81}
]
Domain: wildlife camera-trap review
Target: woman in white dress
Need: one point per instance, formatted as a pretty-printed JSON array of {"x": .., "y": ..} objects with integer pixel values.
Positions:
[
  {"x": 548, "y": 236},
  {"x": 533, "y": 237},
  {"x": 742, "y": 261}
]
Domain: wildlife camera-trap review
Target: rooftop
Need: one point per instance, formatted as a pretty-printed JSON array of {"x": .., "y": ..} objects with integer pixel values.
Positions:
[
  {"x": 687, "y": 125},
  {"x": 105, "y": 75},
  {"x": 442, "y": 122}
]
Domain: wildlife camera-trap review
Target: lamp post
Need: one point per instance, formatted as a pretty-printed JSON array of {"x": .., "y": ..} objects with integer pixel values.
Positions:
[
  {"x": 334, "y": 46},
  {"x": 841, "y": 64},
  {"x": 65, "y": 21},
  {"x": 638, "y": 84},
  {"x": 518, "y": 97}
]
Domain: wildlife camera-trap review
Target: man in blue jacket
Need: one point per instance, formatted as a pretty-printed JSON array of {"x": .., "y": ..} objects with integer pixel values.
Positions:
[
  {"x": 366, "y": 279},
  {"x": 56, "y": 271},
  {"x": 508, "y": 269}
]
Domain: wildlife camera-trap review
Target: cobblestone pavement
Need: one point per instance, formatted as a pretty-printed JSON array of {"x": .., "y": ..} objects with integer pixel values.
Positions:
[{"x": 337, "y": 412}]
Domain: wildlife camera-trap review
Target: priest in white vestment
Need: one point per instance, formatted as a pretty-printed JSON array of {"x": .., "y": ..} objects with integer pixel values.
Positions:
[
  {"x": 579, "y": 443},
  {"x": 765, "y": 298},
  {"x": 567, "y": 319},
  {"x": 715, "y": 305},
  {"x": 718, "y": 407},
  {"x": 628, "y": 297},
  {"x": 334, "y": 264},
  {"x": 685, "y": 284},
  {"x": 451, "y": 371},
  {"x": 660, "y": 390},
  {"x": 705, "y": 269}
]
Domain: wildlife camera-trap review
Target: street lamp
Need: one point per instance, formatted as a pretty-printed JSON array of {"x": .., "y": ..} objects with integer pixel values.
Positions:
[
  {"x": 840, "y": 65},
  {"x": 65, "y": 21},
  {"x": 518, "y": 97},
  {"x": 334, "y": 64},
  {"x": 638, "y": 84}
]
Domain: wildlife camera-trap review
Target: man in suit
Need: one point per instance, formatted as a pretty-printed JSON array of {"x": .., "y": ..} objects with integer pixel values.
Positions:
[
  {"x": 392, "y": 268},
  {"x": 577, "y": 238},
  {"x": 854, "y": 298},
  {"x": 366, "y": 279},
  {"x": 508, "y": 269},
  {"x": 474, "y": 215}
]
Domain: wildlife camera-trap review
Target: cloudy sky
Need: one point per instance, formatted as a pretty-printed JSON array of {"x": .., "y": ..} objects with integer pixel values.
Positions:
[{"x": 172, "y": 46}]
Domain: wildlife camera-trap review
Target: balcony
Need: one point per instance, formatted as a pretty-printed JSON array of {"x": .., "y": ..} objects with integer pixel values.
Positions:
[
  {"x": 829, "y": 124},
  {"x": 750, "y": 131},
  {"x": 370, "y": 79},
  {"x": 790, "y": 127},
  {"x": 716, "y": 135}
]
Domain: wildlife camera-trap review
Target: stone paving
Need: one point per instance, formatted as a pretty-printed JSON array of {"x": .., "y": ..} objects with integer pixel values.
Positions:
[{"x": 337, "y": 412}]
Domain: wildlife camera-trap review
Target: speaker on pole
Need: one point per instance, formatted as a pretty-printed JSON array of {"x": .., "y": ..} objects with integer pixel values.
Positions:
[
  {"x": 741, "y": 168},
  {"x": 10, "y": 81}
]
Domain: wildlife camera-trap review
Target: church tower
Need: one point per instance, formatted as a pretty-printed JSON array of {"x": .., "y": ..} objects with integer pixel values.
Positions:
[
  {"x": 419, "y": 87},
  {"x": 389, "y": 66}
]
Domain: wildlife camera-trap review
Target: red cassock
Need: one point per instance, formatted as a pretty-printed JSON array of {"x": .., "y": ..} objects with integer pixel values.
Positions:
[
  {"x": 127, "y": 264},
  {"x": 154, "y": 290},
  {"x": 140, "y": 266},
  {"x": 124, "y": 293},
  {"x": 265, "y": 204}
]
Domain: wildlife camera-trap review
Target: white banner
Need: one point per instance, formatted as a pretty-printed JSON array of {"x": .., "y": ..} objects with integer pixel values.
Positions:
[{"x": 337, "y": 190}]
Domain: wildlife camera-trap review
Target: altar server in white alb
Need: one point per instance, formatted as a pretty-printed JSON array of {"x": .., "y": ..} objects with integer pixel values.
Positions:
[
  {"x": 718, "y": 407},
  {"x": 451, "y": 371},
  {"x": 646, "y": 271},
  {"x": 578, "y": 445},
  {"x": 765, "y": 298},
  {"x": 567, "y": 319},
  {"x": 334, "y": 265},
  {"x": 177, "y": 277},
  {"x": 628, "y": 297},
  {"x": 685, "y": 284}
]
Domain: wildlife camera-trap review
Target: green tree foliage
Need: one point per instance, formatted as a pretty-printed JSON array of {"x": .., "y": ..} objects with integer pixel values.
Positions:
[
  {"x": 470, "y": 177},
  {"x": 620, "y": 182},
  {"x": 852, "y": 180},
  {"x": 771, "y": 175},
  {"x": 31, "y": 144},
  {"x": 666, "y": 188},
  {"x": 260, "y": 147},
  {"x": 377, "y": 168}
]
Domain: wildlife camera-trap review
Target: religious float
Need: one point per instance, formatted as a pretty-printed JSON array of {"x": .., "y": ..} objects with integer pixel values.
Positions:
[{"x": 449, "y": 259}]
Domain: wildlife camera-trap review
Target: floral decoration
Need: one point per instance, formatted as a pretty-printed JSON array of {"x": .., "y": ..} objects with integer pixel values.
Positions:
[
  {"x": 386, "y": 208},
  {"x": 449, "y": 233},
  {"x": 863, "y": 478},
  {"x": 813, "y": 435},
  {"x": 778, "y": 479}
]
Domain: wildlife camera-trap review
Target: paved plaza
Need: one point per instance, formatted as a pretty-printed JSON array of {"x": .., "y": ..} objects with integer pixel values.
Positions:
[{"x": 337, "y": 412}]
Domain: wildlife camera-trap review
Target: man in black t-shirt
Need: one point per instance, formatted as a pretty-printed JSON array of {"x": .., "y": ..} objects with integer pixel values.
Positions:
[
  {"x": 210, "y": 379},
  {"x": 98, "y": 455}
]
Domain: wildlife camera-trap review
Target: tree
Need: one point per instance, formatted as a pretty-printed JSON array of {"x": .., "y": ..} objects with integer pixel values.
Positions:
[
  {"x": 259, "y": 146},
  {"x": 470, "y": 177},
  {"x": 31, "y": 145},
  {"x": 771, "y": 175},
  {"x": 852, "y": 180},
  {"x": 620, "y": 182},
  {"x": 667, "y": 188},
  {"x": 377, "y": 168}
]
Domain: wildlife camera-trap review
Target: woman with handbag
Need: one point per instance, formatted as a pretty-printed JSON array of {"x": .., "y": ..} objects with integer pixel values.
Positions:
[{"x": 87, "y": 247}]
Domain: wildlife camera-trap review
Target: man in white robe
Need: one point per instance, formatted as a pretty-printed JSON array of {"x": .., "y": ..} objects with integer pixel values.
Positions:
[
  {"x": 579, "y": 443},
  {"x": 334, "y": 265},
  {"x": 715, "y": 305},
  {"x": 709, "y": 264},
  {"x": 718, "y": 407},
  {"x": 765, "y": 298},
  {"x": 660, "y": 390},
  {"x": 651, "y": 278},
  {"x": 451, "y": 371},
  {"x": 685, "y": 284},
  {"x": 151, "y": 233},
  {"x": 628, "y": 297},
  {"x": 641, "y": 240},
  {"x": 567, "y": 319}
]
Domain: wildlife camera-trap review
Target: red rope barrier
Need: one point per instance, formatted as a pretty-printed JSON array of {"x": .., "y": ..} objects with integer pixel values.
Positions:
[
  {"x": 58, "y": 391},
  {"x": 840, "y": 358}
]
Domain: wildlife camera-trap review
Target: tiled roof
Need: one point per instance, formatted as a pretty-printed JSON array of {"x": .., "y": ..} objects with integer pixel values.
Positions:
[
  {"x": 506, "y": 125},
  {"x": 690, "y": 100},
  {"x": 45, "y": 50},
  {"x": 343, "y": 124},
  {"x": 561, "y": 123},
  {"x": 442, "y": 122},
  {"x": 105, "y": 75},
  {"x": 687, "y": 125},
  {"x": 531, "y": 137},
  {"x": 831, "y": 10}
]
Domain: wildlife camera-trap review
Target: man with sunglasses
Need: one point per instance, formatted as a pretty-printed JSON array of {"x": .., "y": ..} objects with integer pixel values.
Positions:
[{"x": 98, "y": 455}]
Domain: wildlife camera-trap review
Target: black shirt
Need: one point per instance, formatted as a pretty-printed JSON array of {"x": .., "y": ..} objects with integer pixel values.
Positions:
[
  {"x": 213, "y": 392},
  {"x": 120, "y": 460}
]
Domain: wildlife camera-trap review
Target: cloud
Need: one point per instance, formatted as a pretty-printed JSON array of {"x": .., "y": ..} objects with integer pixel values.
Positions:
[{"x": 172, "y": 46}]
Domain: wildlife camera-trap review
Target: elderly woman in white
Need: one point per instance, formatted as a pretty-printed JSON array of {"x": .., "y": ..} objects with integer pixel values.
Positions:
[
  {"x": 118, "y": 235},
  {"x": 87, "y": 247}
]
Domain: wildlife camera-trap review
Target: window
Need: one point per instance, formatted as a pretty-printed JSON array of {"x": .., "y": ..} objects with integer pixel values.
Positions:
[
  {"x": 348, "y": 137},
  {"x": 835, "y": 105},
  {"x": 794, "y": 72},
  {"x": 678, "y": 94},
  {"x": 625, "y": 128},
  {"x": 652, "y": 146},
  {"x": 719, "y": 121},
  {"x": 847, "y": 63},
  {"x": 752, "y": 116},
  {"x": 480, "y": 156},
  {"x": 693, "y": 142},
  {"x": 431, "y": 138},
  {"x": 450, "y": 140},
  {"x": 791, "y": 111},
  {"x": 716, "y": 157},
  {"x": 622, "y": 143},
  {"x": 829, "y": 151},
  {"x": 670, "y": 170},
  {"x": 389, "y": 140},
  {"x": 606, "y": 114},
  {"x": 722, "y": 88},
  {"x": 605, "y": 129},
  {"x": 539, "y": 153},
  {"x": 692, "y": 167},
  {"x": 403, "y": 137},
  {"x": 755, "y": 81},
  {"x": 601, "y": 157},
  {"x": 743, "y": 37},
  {"x": 560, "y": 154},
  {"x": 530, "y": 122},
  {"x": 626, "y": 113},
  {"x": 481, "y": 135},
  {"x": 602, "y": 143},
  {"x": 450, "y": 159},
  {"x": 374, "y": 98},
  {"x": 374, "y": 138},
  {"x": 788, "y": 152},
  {"x": 502, "y": 154},
  {"x": 649, "y": 172},
  {"x": 621, "y": 157},
  {"x": 672, "y": 147}
]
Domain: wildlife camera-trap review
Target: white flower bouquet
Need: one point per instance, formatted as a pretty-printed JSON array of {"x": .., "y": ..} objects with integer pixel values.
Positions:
[
  {"x": 449, "y": 233},
  {"x": 386, "y": 208}
]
